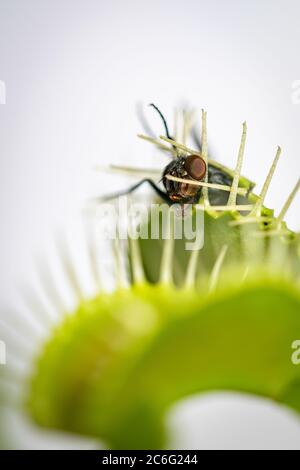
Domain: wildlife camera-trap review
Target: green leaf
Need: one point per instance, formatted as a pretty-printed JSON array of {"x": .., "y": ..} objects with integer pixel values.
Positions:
[{"x": 114, "y": 369}]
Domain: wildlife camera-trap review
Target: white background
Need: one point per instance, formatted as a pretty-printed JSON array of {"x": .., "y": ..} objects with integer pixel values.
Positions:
[{"x": 74, "y": 71}]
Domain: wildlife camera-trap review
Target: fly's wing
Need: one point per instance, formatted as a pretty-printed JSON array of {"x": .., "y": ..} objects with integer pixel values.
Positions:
[{"x": 220, "y": 176}]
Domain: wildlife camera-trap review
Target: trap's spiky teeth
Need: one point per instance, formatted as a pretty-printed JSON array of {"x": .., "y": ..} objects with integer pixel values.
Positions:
[
  {"x": 92, "y": 252},
  {"x": 136, "y": 260},
  {"x": 158, "y": 143},
  {"x": 39, "y": 310},
  {"x": 238, "y": 169},
  {"x": 272, "y": 233},
  {"x": 166, "y": 276},
  {"x": 128, "y": 170},
  {"x": 68, "y": 267},
  {"x": 190, "y": 276},
  {"x": 245, "y": 274},
  {"x": 50, "y": 285},
  {"x": 121, "y": 275},
  {"x": 265, "y": 188},
  {"x": 188, "y": 118},
  {"x": 221, "y": 187},
  {"x": 180, "y": 146},
  {"x": 215, "y": 274},
  {"x": 205, "y": 155},
  {"x": 288, "y": 202},
  {"x": 233, "y": 208},
  {"x": 137, "y": 267}
]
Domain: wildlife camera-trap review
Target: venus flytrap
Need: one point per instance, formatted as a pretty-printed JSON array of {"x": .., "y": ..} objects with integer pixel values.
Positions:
[{"x": 180, "y": 322}]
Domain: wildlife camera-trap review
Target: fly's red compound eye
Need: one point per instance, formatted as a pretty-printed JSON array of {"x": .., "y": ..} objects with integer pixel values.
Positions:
[{"x": 195, "y": 167}]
